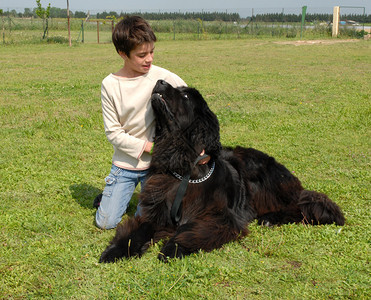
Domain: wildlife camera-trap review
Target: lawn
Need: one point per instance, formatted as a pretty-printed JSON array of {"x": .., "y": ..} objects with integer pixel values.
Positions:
[{"x": 307, "y": 105}]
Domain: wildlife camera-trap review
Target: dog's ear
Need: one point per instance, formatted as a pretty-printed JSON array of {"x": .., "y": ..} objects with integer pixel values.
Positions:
[{"x": 208, "y": 131}]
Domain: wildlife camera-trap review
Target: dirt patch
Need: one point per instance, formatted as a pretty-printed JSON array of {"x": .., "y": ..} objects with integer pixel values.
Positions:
[
  {"x": 294, "y": 264},
  {"x": 316, "y": 42}
]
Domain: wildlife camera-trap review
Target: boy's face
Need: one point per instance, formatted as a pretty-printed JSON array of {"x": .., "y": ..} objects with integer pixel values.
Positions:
[{"x": 140, "y": 60}]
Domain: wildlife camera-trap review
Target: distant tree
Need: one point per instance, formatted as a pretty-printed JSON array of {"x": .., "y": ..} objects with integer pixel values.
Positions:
[
  {"x": 12, "y": 13},
  {"x": 80, "y": 14},
  {"x": 43, "y": 14},
  {"x": 64, "y": 13},
  {"x": 112, "y": 15},
  {"x": 27, "y": 13},
  {"x": 102, "y": 15},
  {"x": 55, "y": 12},
  {"x": 204, "y": 16}
]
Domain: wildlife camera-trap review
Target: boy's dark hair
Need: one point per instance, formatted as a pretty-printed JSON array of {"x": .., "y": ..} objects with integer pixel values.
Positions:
[{"x": 131, "y": 32}]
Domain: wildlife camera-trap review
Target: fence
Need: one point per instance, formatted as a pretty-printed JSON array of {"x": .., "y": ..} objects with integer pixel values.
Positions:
[{"x": 28, "y": 30}]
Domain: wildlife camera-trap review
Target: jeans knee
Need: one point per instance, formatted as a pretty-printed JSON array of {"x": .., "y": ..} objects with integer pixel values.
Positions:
[{"x": 106, "y": 222}]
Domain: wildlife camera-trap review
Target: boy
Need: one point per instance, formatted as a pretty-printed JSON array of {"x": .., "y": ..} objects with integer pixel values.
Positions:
[{"x": 128, "y": 117}]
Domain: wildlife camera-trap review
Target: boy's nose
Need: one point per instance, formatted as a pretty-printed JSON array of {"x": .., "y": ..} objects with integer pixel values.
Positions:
[{"x": 149, "y": 58}]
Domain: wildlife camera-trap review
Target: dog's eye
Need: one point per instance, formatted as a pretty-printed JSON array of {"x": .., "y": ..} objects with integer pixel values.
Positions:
[{"x": 186, "y": 96}]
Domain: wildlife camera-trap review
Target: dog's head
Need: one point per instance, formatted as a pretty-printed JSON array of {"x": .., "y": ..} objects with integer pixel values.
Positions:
[{"x": 184, "y": 121}]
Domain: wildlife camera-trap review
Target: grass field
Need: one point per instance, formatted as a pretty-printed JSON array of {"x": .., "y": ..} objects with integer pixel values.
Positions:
[{"x": 307, "y": 105}]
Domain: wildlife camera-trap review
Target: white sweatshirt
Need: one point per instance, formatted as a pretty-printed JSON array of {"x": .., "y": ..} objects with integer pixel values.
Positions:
[{"x": 129, "y": 121}]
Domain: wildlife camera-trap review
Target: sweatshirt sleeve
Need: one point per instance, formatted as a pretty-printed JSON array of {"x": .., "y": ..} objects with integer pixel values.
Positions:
[
  {"x": 115, "y": 133},
  {"x": 175, "y": 80}
]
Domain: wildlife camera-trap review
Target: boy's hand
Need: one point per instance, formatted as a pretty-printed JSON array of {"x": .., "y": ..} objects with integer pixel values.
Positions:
[
  {"x": 204, "y": 160},
  {"x": 148, "y": 147}
]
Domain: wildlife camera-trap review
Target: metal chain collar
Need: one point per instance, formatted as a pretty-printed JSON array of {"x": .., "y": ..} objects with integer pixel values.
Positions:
[{"x": 206, "y": 177}]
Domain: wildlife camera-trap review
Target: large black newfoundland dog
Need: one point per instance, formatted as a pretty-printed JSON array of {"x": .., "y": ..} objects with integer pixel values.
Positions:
[{"x": 199, "y": 195}]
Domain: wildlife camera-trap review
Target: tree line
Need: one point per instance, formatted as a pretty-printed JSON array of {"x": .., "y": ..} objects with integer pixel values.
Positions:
[
  {"x": 62, "y": 13},
  {"x": 56, "y": 12},
  {"x": 205, "y": 16},
  {"x": 280, "y": 17}
]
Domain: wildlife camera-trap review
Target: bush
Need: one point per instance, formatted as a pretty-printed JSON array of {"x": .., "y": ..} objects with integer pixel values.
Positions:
[{"x": 57, "y": 40}]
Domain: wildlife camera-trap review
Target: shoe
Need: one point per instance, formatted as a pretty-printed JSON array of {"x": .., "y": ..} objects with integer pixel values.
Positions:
[{"x": 97, "y": 201}]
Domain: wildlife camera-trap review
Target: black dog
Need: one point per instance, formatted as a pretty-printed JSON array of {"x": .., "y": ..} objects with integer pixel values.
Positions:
[{"x": 202, "y": 202}]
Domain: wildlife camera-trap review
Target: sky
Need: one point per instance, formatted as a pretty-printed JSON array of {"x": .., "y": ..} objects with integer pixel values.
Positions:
[{"x": 243, "y": 7}]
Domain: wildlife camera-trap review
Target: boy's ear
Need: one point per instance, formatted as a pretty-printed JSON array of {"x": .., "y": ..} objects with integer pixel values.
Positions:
[{"x": 123, "y": 55}]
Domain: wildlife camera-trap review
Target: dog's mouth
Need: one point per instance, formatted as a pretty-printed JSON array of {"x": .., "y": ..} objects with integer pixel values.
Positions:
[
  {"x": 165, "y": 107},
  {"x": 159, "y": 96}
]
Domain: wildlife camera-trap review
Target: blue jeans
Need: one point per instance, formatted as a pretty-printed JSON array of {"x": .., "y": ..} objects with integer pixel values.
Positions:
[{"x": 120, "y": 186}]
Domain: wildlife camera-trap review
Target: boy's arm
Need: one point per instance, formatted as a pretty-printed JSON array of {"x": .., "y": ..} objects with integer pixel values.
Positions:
[
  {"x": 175, "y": 80},
  {"x": 116, "y": 135}
]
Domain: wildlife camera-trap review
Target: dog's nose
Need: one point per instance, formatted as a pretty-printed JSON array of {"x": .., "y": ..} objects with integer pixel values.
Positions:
[{"x": 161, "y": 85}]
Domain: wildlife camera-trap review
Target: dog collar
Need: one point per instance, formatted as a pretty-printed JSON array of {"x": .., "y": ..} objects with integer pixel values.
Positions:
[
  {"x": 206, "y": 177},
  {"x": 176, "y": 208}
]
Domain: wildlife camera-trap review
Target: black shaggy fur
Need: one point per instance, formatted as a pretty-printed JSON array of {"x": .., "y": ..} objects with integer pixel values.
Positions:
[{"x": 246, "y": 184}]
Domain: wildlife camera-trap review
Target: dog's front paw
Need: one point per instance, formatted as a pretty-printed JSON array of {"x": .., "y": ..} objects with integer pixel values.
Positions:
[
  {"x": 163, "y": 258},
  {"x": 111, "y": 254},
  {"x": 266, "y": 223},
  {"x": 171, "y": 250},
  {"x": 269, "y": 219}
]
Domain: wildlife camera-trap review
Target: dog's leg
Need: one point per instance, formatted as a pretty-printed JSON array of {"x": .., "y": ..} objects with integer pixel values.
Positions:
[
  {"x": 206, "y": 234},
  {"x": 132, "y": 239},
  {"x": 172, "y": 249},
  {"x": 312, "y": 208},
  {"x": 317, "y": 208},
  {"x": 286, "y": 216}
]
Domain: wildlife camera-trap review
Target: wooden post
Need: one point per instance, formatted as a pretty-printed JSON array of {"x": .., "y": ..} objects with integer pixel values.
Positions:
[
  {"x": 303, "y": 13},
  {"x": 82, "y": 30},
  {"x": 335, "y": 21},
  {"x": 69, "y": 26},
  {"x": 252, "y": 20},
  {"x": 2, "y": 20},
  {"x": 98, "y": 31},
  {"x": 174, "y": 30}
]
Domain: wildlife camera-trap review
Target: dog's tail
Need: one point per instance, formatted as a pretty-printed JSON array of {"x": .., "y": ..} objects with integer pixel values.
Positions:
[{"x": 317, "y": 209}]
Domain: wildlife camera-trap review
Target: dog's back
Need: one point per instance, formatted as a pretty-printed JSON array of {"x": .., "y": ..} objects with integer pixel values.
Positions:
[{"x": 278, "y": 196}]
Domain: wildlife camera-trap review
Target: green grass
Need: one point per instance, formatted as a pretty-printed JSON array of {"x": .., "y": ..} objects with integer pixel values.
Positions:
[{"x": 309, "y": 106}]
